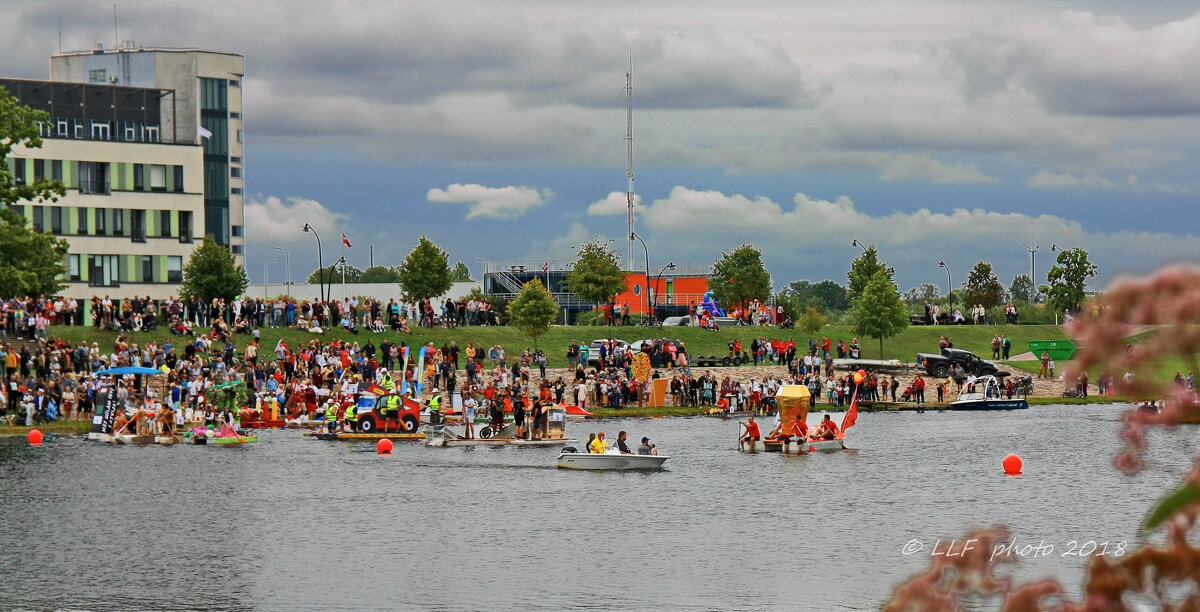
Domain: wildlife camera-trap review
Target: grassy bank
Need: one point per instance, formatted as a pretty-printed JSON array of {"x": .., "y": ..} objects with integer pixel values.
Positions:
[
  {"x": 699, "y": 342},
  {"x": 57, "y": 427}
]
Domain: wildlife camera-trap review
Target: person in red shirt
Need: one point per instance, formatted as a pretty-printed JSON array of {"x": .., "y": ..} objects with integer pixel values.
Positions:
[
  {"x": 828, "y": 429},
  {"x": 752, "y": 436},
  {"x": 799, "y": 431}
]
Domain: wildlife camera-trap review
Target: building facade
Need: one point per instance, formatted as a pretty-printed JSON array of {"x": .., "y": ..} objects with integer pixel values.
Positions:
[{"x": 148, "y": 144}]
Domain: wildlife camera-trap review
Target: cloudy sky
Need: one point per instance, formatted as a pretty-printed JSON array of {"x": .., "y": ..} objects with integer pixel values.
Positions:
[{"x": 937, "y": 131}]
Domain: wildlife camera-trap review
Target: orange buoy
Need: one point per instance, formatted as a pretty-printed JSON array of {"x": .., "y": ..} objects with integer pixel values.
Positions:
[
  {"x": 384, "y": 447},
  {"x": 34, "y": 436},
  {"x": 1012, "y": 465}
]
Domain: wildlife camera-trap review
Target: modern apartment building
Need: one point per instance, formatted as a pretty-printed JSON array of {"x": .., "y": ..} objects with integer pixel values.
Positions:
[{"x": 148, "y": 143}]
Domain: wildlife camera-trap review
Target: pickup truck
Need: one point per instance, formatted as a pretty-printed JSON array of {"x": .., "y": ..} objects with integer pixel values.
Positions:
[{"x": 939, "y": 365}]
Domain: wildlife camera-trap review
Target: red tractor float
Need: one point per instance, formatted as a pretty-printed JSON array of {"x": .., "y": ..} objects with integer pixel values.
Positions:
[{"x": 374, "y": 416}]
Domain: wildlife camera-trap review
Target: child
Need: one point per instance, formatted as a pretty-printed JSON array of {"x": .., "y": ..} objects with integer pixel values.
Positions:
[{"x": 1051, "y": 367}]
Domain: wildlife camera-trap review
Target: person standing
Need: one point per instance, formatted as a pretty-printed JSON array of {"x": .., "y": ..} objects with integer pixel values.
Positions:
[
  {"x": 1045, "y": 359},
  {"x": 1005, "y": 347}
]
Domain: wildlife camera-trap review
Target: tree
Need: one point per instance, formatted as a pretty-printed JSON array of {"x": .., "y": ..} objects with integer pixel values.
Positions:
[
  {"x": 926, "y": 292},
  {"x": 878, "y": 312},
  {"x": 863, "y": 269},
  {"x": 982, "y": 287},
  {"x": 828, "y": 295},
  {"x": 533, "y": 310},
  {"x": 460, "y": 273},
  {"x": 424, "y": 274},
  {"x": 1068, "y": 279},
  {"x": 811, "y": 320},
  {"x": 379, "y": 274},
  {"x": 597, "y": 275},
  {"x": 739, "y": 277},
  {"x": 211, "y": 272},
  {"x": 19, "y": 127},
  {"x": 30, "y": 262},
  {"x": 333, "y": 275},
  {"x": 1021, "y": 288}
]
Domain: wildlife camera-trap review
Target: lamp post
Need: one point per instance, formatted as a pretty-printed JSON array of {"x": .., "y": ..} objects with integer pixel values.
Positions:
[
  {"x": 340, "y": 262},
  {"x": 647, "y": 251},
  {"x": 320, "y": 263},
  {"x": 657, "y": 280},
  {"x": 949, "y": 285},
  {"x": 858, "y": 244},
  {"x": 266, "y": 283},
  {"x": 1033, "y": 249},
  {"x": 287, "y": 269}
]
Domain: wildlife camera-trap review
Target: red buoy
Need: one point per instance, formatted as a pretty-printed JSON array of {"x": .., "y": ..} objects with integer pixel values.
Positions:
[
  {"x": 34, "y": 436},
  {"x": 384, "y": 447},
  {"x": 1012, "y": 465}
]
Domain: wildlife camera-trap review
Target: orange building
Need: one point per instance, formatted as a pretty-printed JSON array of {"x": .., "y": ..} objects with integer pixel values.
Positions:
[{"x": 673, "y": 292}]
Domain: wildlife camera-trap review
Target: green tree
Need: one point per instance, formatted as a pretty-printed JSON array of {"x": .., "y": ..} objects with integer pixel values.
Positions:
[
  {"x": 863, "y": 269},
  {"x": 533, "y": 310},
  {"x": 811, "y": 321},
  {"x": 1068, "y": 279},
  {"x": 333, "y": 275},
  {"x": 982, "y": 287},
  {"x": 739, "y": 277},
  {"x": 31, "y": 263},
  {"x": 597, "y": 275},
  {"x": 211, "y": 272},
  {"x": 460, "y": 273},
  {"x": 379, "y": 274},
  {"x": 926, "y": 292},
  {"x": 19, "y": 128},
  {"x": 878, "y": 312},
  {"x": 829, "y": 296},
  {"x": 424, "y": 274},
  {"x": 1021, "y": 288}
]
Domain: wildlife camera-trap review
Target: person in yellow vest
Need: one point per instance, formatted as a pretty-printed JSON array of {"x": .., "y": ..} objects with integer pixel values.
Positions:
[
  {"x": 351, "y": 417},
  {"x": 598, "y": 445},
  {"x": 392, "y": 406},
  {"x": 386, "y": 380},
  {"x": 331, "y": 419},
  {"x": 435, "y": 407}
]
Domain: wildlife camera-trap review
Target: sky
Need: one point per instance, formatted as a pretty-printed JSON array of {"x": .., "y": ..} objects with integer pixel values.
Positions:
[{"x": 937, "y": 131}]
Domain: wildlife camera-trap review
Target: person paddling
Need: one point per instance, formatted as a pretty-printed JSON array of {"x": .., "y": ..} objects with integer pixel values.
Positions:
[
  {"x": 752, "y": 433},
  {"x": 828, "y": 429}
]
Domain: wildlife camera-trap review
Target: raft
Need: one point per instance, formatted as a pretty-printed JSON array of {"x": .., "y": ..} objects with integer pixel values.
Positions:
[
  {"x": 225, "y": 440},
  {"x": 359, "y": 437}
]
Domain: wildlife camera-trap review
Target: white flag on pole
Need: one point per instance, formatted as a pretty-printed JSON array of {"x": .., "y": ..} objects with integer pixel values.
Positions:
[{"x": 203, "y": 133}]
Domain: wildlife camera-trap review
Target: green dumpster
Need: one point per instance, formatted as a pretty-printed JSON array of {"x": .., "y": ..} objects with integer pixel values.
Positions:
[{"x": 1060, "y": 350}]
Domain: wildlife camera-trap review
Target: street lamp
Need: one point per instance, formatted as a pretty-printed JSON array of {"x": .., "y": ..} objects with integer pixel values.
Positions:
[
  {"x": 858, "y": 244},
  {"x": 657, "y": 280},
  {"x": 287, "y": 269},
  {"x": 340, "y": 262},
  {"x": 320, "y": 262},
  {"x": 1033, "y": 249},
  {"x": 949, "y": 285},
  {"x": 647, "y": 251},
  {"x": 266, "y": 283}
]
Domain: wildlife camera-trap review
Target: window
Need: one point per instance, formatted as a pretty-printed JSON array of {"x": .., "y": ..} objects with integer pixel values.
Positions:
[
  {"x": 178, "y": 178},
  {"x": 101, "y": 130},
  {"x": 147, "y": 269},
  {"x": 139, "y": 177},
  {"x": 45, "y": 130},
  {"x": 164, "y": 224},
  {"x": 158, "y": 178},
  {"x": 235, "y": 190},
  {"x": 73, "y": 267},
  {"x": 37, "y": 218},
  {"x": 150, "y": 133},
  {"x": 236, "y": 230},
  {"x": 237, "y": 249},
  {"x": 235, "y": 160},
  {"x": 137, "y": 225},
  {"x": 93, "y": 177},
  {"x": 174, "y": 269},
  {"x": 98, "y": 76},
  {"x": 102, "y": 271},
  {"x": 213, "y": 94},
  {"x": 185, "y": 226},
  {"x": 101, "y": 222},
  {"x": 78, "y": 129},
  {"x": 62, "y": 129},
  {"x": 56, "y": 171},
  {"x": 39, "y": 169},
  {"x": 19, "y": 171},
  {"x": 118, "y": 221},
  {"x": 81, "y": 221},
  {"x": 235, "y": 172},
  {"x": 235, "y": 83},
  {"x": 233, "y": 115},
  {"x": 56, "y": 220},
  {"x": 131, "y": 133},
  {"x": 239, "y": 136}
]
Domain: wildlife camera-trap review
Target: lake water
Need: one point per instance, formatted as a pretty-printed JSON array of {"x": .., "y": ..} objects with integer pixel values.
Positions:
[{"x": 297, "y": 524}]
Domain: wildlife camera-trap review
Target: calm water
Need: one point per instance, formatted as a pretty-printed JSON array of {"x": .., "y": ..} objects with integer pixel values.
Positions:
[{"x": 296, "y": 524}]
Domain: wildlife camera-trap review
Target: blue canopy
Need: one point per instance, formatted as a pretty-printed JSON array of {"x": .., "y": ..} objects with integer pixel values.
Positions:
[{"x": 121, "y": 371}]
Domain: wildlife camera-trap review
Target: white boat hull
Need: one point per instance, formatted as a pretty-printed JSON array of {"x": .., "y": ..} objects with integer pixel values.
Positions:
[
  {"x": 610, "y": 461},
  {"x": 799, "y": 448}
]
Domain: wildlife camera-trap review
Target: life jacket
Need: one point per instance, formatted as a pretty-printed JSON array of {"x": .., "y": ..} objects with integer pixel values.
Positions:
[
  {"x": 331, "y": 412},
  {"x": 352, "y": 413},
  {"x": 435, "y": 403}
]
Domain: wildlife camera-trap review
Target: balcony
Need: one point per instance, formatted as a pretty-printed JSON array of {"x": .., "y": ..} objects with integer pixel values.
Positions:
[{"x": 93, "y": 186}]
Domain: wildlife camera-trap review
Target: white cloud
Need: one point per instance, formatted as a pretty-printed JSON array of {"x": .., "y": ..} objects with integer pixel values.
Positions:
[
  {"x": 912, "y": 167},
  {"x": 810, "y": 231},
  {"x": 1049, "y": 180},
  {"x": 615, "y": 204},
  {"x": 274, "y": 221},
  {"x": 491, "y": 202}
]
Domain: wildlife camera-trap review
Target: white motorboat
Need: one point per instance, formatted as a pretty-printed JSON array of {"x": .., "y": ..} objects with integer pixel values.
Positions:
[
  {"x": 988, "y": 395},
  {"x": 610, "y": 461}
]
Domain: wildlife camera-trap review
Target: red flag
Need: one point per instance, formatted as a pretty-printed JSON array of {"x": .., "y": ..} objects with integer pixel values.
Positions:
[
  {"x": 346, "y": 241},
  {"x": 851, "y": 414},
  {"x": 546, "y": 267}
]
